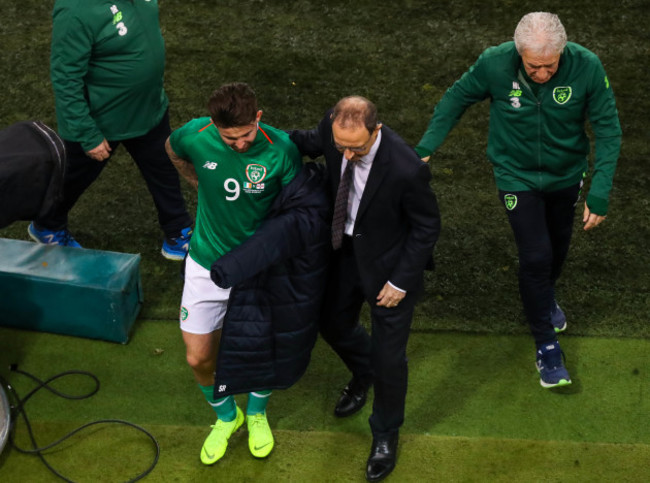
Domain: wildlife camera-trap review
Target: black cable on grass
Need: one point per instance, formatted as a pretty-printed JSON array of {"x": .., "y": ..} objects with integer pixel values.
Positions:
[{"x": 17, "y": 409}]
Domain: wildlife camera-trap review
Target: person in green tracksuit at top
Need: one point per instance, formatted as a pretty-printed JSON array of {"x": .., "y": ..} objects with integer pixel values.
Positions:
[
  {"x": 542, "y": 90},
  {"x": 107, "y": 65}
]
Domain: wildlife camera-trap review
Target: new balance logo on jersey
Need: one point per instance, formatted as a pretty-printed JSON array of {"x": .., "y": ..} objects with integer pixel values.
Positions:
[
  {"x": 515, "y": 95},
  {"x": 117, "y": 21},
  {"x": 117, "y": 15},
  {"x": 210, "y": 165}
]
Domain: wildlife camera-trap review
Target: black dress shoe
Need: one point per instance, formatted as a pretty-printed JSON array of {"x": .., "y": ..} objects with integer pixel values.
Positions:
[
  {"x": 352, "y": 398},
  {"x": 383, "y": 456}
]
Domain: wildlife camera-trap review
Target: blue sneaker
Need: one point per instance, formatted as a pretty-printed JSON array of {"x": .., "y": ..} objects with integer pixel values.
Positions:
[
  {"x": 552, "y": 372},
  {"x": 176, "y": 248},
  {"x": 51, "y": 237},
  {"x": 558, "y": 319}
]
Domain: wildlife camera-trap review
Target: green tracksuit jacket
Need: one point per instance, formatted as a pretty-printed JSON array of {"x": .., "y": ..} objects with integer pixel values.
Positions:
[
  {"x": 537, "y": 138},
  {"x": 106, "y": 66}
]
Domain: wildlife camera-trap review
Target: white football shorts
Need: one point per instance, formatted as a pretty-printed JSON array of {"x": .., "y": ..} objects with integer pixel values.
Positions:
[{"x": 203, "y": 306}]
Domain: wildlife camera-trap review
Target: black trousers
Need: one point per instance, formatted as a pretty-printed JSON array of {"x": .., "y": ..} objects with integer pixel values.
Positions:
[
  {"x": 148, "y": 152},
  {"x": 378, "y": 357},
  {"x": 542, "y": 224}
]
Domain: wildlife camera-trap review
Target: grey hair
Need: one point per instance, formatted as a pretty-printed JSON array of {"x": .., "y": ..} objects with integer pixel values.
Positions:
[{"x": 540, "y": 33}]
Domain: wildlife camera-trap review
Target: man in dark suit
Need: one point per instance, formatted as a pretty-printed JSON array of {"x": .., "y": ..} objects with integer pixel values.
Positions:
[{"x": 390, "y": 224}]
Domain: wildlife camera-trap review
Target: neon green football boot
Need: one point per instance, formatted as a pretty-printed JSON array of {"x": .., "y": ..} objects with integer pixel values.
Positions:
[
  {"x": 216, "y": 443},
  {"x": 260, "y": 438}
]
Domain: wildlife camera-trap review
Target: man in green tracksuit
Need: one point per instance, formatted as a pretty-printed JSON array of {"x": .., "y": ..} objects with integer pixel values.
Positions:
[
  {"x": 542, "y": 90},
  {"x": 107, "y": 65}
]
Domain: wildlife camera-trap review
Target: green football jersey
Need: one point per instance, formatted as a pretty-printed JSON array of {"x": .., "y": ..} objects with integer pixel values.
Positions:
[{"x": 236, "y": 190}]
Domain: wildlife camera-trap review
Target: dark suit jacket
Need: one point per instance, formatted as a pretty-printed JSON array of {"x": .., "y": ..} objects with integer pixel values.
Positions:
[{"x": 398, "y": 221}]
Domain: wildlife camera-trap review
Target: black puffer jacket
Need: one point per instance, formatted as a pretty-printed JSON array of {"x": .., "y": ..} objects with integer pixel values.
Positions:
[{"x": 278, "y": 278}]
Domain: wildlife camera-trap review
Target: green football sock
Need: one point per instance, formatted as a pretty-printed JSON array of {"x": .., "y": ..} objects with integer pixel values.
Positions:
[
  {"x": 257, "y": 402},
  {"x": 225, "y": 407}
]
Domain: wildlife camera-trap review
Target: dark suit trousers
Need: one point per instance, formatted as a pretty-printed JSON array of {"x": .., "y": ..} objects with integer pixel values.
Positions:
[{"x": 378, "y": 357}]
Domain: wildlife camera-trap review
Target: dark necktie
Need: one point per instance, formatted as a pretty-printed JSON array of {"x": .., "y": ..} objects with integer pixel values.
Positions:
[{"x": 341, "y": 206}]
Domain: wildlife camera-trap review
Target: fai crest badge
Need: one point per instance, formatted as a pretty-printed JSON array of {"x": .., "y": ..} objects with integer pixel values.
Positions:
[
  {"x": 255, "y": 173},
  {"x": 561, "y": 95},
  {"x": 510, "y": 201}
]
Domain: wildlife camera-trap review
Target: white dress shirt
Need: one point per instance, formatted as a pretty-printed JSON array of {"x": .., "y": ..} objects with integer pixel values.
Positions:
[{"x": 361, "y": 172}]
